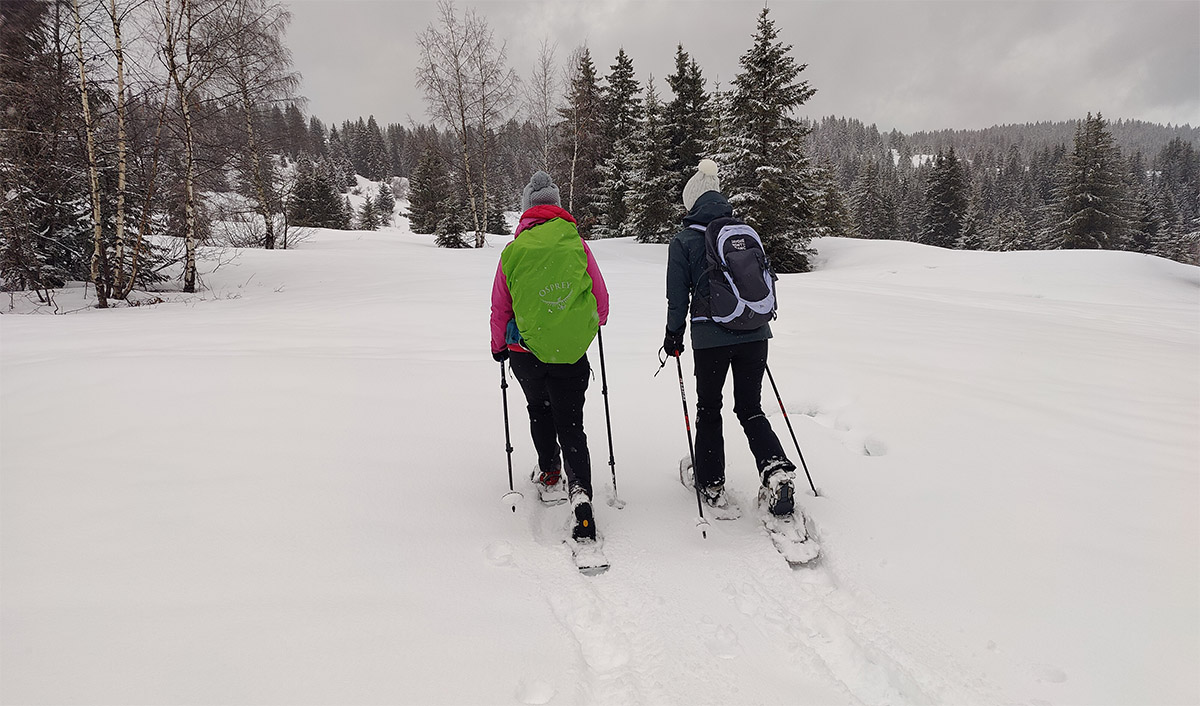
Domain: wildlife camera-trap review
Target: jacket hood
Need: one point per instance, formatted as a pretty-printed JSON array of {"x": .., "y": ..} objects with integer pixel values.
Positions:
[
  {"x": 709, "y": 207},
  {"x": 539, "y": 215}
]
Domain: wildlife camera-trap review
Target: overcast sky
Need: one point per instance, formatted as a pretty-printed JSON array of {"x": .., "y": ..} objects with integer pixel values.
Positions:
[{"x": 905, "y": 64}]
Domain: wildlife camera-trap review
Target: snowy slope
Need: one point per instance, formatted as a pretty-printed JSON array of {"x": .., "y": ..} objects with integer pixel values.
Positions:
[{"x": 286, "y": 490}]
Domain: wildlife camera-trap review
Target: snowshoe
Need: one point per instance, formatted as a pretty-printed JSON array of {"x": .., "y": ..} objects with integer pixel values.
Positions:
[
  {"x": 790, "y": 536},
  {"x": 584, "y": 528},
  {"x": 587, "y": 548},
  {"x": 717, "y": 502},
  {"x": 782, "y": 518},
  {"x": 550, "y": 486},
  {"x": 778, "y": 492}
]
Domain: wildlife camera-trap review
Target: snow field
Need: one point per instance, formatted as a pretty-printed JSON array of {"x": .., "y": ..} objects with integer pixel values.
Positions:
[{"x": 286, "y": 489}]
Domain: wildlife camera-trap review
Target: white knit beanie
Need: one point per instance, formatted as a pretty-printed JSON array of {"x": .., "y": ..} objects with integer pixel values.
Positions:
[{"x": 705, "y": 179}]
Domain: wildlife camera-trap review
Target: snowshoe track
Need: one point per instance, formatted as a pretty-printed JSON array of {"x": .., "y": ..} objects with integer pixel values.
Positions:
[{"x": 636, "y": 645}]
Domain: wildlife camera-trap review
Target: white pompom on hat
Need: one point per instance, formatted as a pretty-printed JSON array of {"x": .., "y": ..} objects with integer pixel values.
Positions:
[{"x": 705, "y": 179}]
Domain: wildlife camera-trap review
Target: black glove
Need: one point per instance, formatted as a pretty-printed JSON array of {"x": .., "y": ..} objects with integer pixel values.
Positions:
[
  {"x": 673, "y": 342},
  {"x": 501, "y": 355}
]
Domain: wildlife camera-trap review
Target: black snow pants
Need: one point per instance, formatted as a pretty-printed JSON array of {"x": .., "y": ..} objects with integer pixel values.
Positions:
[
  {"x": 555, "y": 393},
  {"x": 749, "y": 362}
]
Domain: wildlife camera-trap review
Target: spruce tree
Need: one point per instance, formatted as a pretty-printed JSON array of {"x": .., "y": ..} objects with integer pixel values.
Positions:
[
  {"x": 946, "y": 202},
  {"x": 316, "y": 199},
  {"x": 451, "y": 229},
  {"x": 43, "y": 232},
  {"x": 301, "y": 202},
  {"x": 428, "y": 191},
  {"x": 581, "y": 141},
  {"x": 872, "y": 210},
  {"x": 765, "y": 171},
  {"x": 367, "y": 217},
  {"x": 316, "y": 138},
  {"x": 718, "y": 121},
  {"x": 297, "y": 139},
  {"x": 831, "y": 216},
  {"x": 1176, "y": 194},
  {"x": 652, "y": 203},
  {"x": 1091, "y": 201},
  {"x": 339, "y": 157},
  {"x": 687, "y": 117},
  {"x": 375, "y": 156},
  {"x": 622, "y": 112},
  {"x": 385, "y": 204}
]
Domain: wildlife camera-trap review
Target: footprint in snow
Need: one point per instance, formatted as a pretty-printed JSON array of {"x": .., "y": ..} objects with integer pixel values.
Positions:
[
  {"x": 534, "y": 691},
  {"x": 1049, "y": 673},
  {"x": 499, "y": 553},
  {"x": 724, "y": 643}
]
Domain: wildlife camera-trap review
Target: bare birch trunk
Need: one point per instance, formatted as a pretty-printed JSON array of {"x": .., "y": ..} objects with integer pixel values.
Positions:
[
  {"x": 264, "y": 205},
  {"x": 574, "y": 161},
  {"x": 466, "y": 156},
  {"x": 189, "y": 207},
  {"x": 480, "y": 241},
  {"x": 151, "y": 187},
  {"x": 119, "y": 271},
  {"x": 181, "y": 85},
  {"x": 93, "y": 170}
]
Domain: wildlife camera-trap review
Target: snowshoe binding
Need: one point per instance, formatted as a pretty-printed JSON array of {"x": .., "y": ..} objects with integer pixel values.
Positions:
[
  {"x": 551, "y": 488},
  {"x": 779, "y": 489},
  {"x": 717, "y": 502}
]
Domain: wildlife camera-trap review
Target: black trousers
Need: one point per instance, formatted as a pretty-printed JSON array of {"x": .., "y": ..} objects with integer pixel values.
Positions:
[
  {"x": 748, "y": 362},
  {"x": 555, "y": 393}
]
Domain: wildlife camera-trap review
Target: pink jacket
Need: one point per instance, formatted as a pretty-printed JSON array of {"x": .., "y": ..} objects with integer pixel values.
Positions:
[{"x": 502, "y": 311}]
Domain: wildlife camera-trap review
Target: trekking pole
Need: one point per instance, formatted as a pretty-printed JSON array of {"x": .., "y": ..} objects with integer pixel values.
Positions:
[
  {"x": 614, "y": 501},
  {"x": 687, "y": 423},
  {"x": 512, "y": 496},
  {"x": 791, "y": 431}
]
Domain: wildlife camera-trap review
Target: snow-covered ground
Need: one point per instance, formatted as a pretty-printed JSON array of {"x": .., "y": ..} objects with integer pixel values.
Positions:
[{"x": 286, "y": 489}]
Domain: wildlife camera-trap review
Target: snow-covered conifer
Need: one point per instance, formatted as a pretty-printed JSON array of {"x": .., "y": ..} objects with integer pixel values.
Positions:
[
  {"x": 946, "y": 202},
  {"x": 367, "y": 217},
  {"x": 1091, "y": 202},
  {"x": 581, "y": 139},
  {"x": 622, "y": 112},
  {"x": 687, "y": 119},
  {"x": 385, "y": 204},
  {"x": 428, "y": 191},
  {"x": 451, "y": 229},
  {"x": 765, "y": 171},
  {"x": 653, "y": 208}
]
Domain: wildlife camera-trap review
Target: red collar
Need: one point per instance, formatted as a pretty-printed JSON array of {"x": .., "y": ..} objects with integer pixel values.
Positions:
[{"x": 538, "y": 215}]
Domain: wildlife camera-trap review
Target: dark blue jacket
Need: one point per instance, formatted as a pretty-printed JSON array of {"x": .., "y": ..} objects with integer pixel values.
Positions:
[{"x": 687, "y": 279}]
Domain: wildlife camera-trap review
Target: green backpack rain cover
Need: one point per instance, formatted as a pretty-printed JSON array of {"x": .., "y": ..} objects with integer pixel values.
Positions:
[{"x": 553, "y": 303}]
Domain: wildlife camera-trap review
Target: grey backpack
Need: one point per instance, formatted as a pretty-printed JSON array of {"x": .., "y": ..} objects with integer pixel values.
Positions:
[{"x": 741, "y": 283}]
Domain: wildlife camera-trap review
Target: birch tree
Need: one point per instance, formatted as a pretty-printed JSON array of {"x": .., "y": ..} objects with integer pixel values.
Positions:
[
  {"x": 257, "y": 68},
  {"x": 468, "y": 87},
  {"x": 177, "y": 29},
  {"x": 93, "y": 167},
  {"x": 541, "y": 93},
  {"x": 496, "y": 87}
]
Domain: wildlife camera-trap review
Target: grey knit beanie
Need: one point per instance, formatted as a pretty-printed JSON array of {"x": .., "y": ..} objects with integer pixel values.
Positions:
[
  {"x": 704, "y": 180},
  {"x": 540, "y": 191}
]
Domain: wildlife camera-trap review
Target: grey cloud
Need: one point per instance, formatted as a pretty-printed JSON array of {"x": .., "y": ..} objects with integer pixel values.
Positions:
[{"x": 907, "y": 64}]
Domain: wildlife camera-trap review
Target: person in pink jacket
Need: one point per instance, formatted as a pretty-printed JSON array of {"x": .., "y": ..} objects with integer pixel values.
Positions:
[{"x": 548, "y": 300}]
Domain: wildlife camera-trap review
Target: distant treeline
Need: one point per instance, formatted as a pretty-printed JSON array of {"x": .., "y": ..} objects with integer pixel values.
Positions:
[
  {"x": 1007, "y": 185},
  {"x": 122, "y": 117}
]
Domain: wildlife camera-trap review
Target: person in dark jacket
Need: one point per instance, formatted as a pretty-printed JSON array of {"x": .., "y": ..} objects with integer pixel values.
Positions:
[{"x": 716, "y": 351}]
